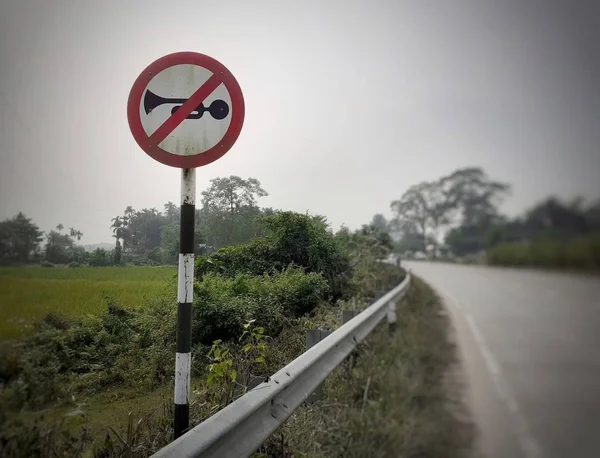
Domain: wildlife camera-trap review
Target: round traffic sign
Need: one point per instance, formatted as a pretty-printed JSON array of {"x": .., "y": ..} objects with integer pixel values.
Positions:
[{"x": 186, "y": 110}]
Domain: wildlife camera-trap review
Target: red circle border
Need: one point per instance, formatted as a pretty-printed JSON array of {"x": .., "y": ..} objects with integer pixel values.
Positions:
[{"x": 174, "y": 160}]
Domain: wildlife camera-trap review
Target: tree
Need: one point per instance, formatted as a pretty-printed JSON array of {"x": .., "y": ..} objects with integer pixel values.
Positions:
[
  {"x": 474, "y": 195},
  {"x": 75, "y": 234},
  {"x": 553, "y": 218},
  {"x": 61, "y": 248},
  {"x": 229, "y": 214},
  {"x": 118, "y": 234},
  {"x": 139, "y": 231},
  {"x": 171, "y": 212},
  {"x": 379, "y": 223},
  {"x": 232, "y": 193},
  {"x": 57, "y": 247},
  {"x": 413, "y": 209},
  {"x": 20, "y": 239},
  {"x": 592, "y": 215},
  {"x": 169, "y": 243},
  {"x": 118, "y": 253},
  {"x": 99, "y": 258},
  {"x": 378, "y": 241},
  {"x": 410, "y": 239},
  {"x": 467, "y": 195}
]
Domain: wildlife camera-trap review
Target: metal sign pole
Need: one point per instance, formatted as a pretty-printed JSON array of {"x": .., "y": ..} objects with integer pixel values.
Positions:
[
  {"x": 202, "y": 87},
  {"x": 185, "y": 292}
]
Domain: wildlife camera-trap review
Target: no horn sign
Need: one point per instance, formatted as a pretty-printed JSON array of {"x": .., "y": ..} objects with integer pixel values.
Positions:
[{"x": 186, "y": 110}]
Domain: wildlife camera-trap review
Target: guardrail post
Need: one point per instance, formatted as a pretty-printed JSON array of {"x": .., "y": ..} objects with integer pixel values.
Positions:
[
  {"x": 347, "y": 315},
  {"x": 314, "y": 336},
  {"x": 391, "y": 319}
]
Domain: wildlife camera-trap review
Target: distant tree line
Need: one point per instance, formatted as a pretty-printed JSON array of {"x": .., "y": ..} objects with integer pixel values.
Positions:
[
  {"x": 227, "y": 215},
  {"x": 21, "y": 242},
  {"x": 464, "y": 207}
]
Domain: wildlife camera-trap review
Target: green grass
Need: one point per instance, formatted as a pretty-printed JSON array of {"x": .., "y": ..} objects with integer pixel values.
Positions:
[{"x": 27, "y": 294}]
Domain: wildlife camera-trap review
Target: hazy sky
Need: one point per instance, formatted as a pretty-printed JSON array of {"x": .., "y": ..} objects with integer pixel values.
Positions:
[{"x": 348, "y": 103}]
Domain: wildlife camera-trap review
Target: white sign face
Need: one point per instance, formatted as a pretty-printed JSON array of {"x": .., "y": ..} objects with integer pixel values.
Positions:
[
  {"x": 203, "y": 128},
  {"x": 185, "y": 110}
]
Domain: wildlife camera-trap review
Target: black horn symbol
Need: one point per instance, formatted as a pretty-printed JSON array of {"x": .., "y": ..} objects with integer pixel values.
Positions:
[{"x": 218, "y": 109}]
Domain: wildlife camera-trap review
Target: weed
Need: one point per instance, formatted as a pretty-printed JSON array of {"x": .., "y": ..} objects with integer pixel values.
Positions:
[{"x": 394, "y": 403}]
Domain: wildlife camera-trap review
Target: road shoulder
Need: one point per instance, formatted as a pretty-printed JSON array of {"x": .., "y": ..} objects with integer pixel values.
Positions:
[{"x": 473, "y": 376}]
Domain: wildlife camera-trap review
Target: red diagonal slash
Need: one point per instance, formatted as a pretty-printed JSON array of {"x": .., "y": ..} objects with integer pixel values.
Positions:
[{"x": 184, "y": 111}]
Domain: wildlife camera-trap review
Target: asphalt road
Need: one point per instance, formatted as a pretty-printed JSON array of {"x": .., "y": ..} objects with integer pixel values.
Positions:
[{"x": 530, "y": 346}]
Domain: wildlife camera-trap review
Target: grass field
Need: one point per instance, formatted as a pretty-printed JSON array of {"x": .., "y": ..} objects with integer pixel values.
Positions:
[{"x": 27, "y": 294}]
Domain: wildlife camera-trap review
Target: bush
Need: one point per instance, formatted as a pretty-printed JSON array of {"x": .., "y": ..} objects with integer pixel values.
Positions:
[
  {"x": 100, "y": 258},
  {"x": 47, "y": 264},
  {"x": 293, "y": 239},
  {"x": 20, "y": 439},
  {"x": 224, "y": 304},
  {"x": 65, "y": 355},
  {"x": 73, "y": 264},
  {"x": 297, "y": 292}
]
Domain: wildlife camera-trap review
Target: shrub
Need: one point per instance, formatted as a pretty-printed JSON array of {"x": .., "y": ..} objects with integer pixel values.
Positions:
[
  {"x": 100, "y": 258},
  {"x": 64, "y": 355},
  {"x": 297, "y": 292},
  {"x": 292, "y": 239},
  {"x": 224, "y": 304},
  {"x": 38, "y": 438},
  {"x": 9, "y": 362},
  {"x": 47, "y": 264}
]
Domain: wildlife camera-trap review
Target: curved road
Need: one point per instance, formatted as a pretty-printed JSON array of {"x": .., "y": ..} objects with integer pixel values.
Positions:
[{"x": 530, "y": 346}]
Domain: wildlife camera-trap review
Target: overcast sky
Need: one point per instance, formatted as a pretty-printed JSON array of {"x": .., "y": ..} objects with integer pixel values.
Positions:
[{"x": 348, "y": 103}]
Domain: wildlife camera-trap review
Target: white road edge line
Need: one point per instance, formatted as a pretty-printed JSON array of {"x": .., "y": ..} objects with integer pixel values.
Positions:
[
  {"x": 529, "y": 445},
  {"x": 490, "y": 360}
]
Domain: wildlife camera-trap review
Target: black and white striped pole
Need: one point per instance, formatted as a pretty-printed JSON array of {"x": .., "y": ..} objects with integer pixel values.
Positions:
[
  {"x": 185, "y": 299},
  {"x": 185, "y": 110}
]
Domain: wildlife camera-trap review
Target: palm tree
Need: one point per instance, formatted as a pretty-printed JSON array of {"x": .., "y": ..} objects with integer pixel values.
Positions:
[
  {"x": 171, "y": 211},
  {"x": 74, "y": 233},
  {"x": 128, "y": 215},
  {"x": 119, "y": 230},
  {"x": 116, "y": 223}
]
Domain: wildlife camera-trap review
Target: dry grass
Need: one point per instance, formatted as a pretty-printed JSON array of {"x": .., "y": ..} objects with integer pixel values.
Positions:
[
  {"x": 395, "y": 403},
  {"x": 27, "y": 294}
]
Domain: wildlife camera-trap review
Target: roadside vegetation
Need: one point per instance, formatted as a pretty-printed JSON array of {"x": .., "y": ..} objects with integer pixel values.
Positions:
[
  {"x": 253, "y": 305},
  {"x": 393, "y": 401},
  {"x": 88, "y": 338}
]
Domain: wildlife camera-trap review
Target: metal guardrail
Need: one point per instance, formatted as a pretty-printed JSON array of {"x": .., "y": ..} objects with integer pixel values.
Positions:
[{"x": 239, "y": 429}]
